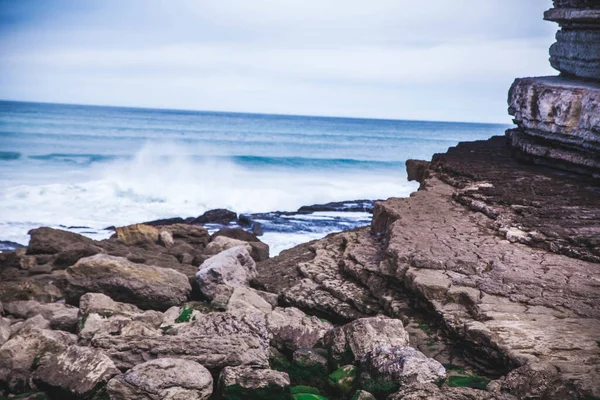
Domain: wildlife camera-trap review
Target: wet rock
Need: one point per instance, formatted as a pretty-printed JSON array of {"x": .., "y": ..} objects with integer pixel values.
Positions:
[
  {"x": 309, "y": 367},
  {"x": 24, "y": 352},
  {"x": 77, "y": 372},
  {"x": 218, "y": 216},
  {"x": 293, "y": 330},
  {"x": 349, "y": 343},
  {"x": 386, "y": 368},
  {"x": 343, "y": 379},
  {"x": 164, "y": 378},
  {"x": 146, "y": 286},
  {"x": 137, "y": 234},
  {"x": 233, "y": 267},
  {"x": 253, "y": 384},
  {"x": 61, "y": 316}
]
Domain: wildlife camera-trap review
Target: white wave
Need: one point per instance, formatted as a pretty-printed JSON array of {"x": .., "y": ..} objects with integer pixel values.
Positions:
[{"x": 163, "y": 180}]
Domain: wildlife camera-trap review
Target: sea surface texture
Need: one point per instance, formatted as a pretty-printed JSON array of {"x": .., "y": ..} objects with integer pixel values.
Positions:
[{"x": 85, "y": 168}]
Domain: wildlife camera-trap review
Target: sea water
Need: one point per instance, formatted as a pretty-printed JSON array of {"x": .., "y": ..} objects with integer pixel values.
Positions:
[{"x": 85, "y": 168}]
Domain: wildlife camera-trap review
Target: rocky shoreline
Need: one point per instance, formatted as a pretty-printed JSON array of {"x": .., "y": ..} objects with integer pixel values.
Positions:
[{"x": 482, "y": 285}]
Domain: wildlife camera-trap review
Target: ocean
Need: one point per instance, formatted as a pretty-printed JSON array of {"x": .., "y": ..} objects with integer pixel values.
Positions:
[{"x": 86, "y": 168}]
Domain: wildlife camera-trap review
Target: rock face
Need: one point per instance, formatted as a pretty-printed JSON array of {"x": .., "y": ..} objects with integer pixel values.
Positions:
[
  {"x": 143, "y": 285},
  {"x": 77, "y": 372},
  {"x": 165, "y": 378},
  {"x": 233, "y": 267}
]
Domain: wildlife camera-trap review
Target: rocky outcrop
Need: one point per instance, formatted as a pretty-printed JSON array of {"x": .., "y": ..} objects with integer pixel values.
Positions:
[
  {"x": 232, "y": 267},
  {"x": 146, "y": 286},
  {"x": 165, "y": 378},
  {"x": 557, "y": 118}
]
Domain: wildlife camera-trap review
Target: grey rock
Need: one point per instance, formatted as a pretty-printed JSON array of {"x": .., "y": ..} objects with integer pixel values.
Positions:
[
  {"x": 293, "y": 330},
  {"x": 349, "y": 343},
  {"x": 311, "y": 367},
  {"x": 61, "y": 316},
  {"x": 5, "y": 330},
  {"x": 233, "y": 267},
  {"x": 429, "y": 391},
  {"x": 363, "y": 395},
  {"x": 166, "y": 239},
  {"x": 25, "y": 350},
  {"x": 247, "y": 300},
  {"x": 386, "y": 368},
  {"x": 222, "y": 243},
  {"x": 98, "y": 303},
  {"x": 164, "y": 378},
  {"x": 214, "y": 352},
  {"x": 146, "y": 286},
  {"x": 34, "y": 322},
  {"x": 77, "y": 372},
  {"x": 253, "y": 384}
]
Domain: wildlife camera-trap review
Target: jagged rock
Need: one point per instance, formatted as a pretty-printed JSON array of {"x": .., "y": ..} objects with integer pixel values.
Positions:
[
  {"x": 137, "y": 234},
  {"x": 349, "y": 343},
  {"x": 193, "y": 235},
  {"x": 233, "y": 267},
  {"x": 79, "y": 372},
  {"x": 98, "y": 303},
  {"x": 5, "y": 330},
  {"x": 219, "y": 216},
  {"x": 245, "y": 300},
  {"x": 61, "y": 316},
  {"x": 164, "y": 378},
  {"x": 213, "y": 352},
  {"x": 386, "y": 368},
  {"x": 46, "y": 288},
  {"x": 224, "y": 323},
  {"x": 25, "y": 351},
  {"x": 59, "y": 249},
  {"x": 429, "y": 391},
  {"x": 166, "y": 239},
  {"x": 253, "y": 384},
  {"x": 146, "y": 286},
  {"x": 293, "y": 330}
]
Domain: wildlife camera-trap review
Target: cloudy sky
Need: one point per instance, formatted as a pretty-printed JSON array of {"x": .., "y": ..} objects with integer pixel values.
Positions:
[{"x": 434, "y": 59}]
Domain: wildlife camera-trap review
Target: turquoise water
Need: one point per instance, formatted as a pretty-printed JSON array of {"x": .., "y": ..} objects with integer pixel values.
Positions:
[{"x": 92, "y": 167}]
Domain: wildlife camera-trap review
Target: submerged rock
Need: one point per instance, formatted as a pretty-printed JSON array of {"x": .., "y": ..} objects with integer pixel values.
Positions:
[{"x": 165, "y": 378}]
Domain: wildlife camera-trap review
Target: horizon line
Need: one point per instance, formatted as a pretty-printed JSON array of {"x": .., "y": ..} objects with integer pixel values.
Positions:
[{"x": 250, "y": 113}]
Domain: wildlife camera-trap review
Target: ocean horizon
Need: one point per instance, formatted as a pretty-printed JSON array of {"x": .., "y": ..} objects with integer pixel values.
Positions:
[{"x": 87, "y": 167}]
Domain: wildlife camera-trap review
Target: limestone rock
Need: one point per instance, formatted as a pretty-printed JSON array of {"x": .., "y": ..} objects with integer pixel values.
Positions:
[
  {"x": 137, "y": 234},
  {"x": 25, "y": 351},
  {"x": 5, "y": 330},
  {"x": 98, "y": 303},
  {"x": 222, "y": 243},
  {"x": 386, "y": 368},
  {"x": 233, "y": 267},
  {"x": 61, "y": 316},
  {"x": 293, "y": 330},
  {"x": 146, "y": 286},
  {"x": 244, "y": 300},
  {"x": 34, "y": 322},
  {"x": 253, "y": 384},
  {"x": 166, "y": 238},
  {"x": 79, "y": 372},
  {"x": 164, "y": 378},
  {"x": 349, "y": 343},
  {"x": 429, "y": 391}
]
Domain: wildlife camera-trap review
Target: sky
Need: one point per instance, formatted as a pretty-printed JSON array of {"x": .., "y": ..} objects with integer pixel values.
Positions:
[{"x": 424, "y": 60}]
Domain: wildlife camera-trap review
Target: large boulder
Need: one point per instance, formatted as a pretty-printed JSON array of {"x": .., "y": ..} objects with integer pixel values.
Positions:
[
  {"x": 246, "y": 300},
  {"x": 349, "y": 343},
  {"x": 219, "y": 216},
  {"x": 78, "y": 372},
  {"x": 222, "y": 243},
  {"x": 385, "y": 369},
  {"x": 233, "y": 267},
  {"x": 164, "y": 378},
  {"x": 61, "y": 316},
  {"x": 254, "y": 384},
  {"x": 59, "y": 249},
  {"x": 24, "y": 351},
  {"x": 293, "y": 330},
  {"x": 146, "y": 286}
]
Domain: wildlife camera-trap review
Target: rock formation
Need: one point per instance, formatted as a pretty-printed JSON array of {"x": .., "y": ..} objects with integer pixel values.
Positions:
[{"x": 558, "y": 118}]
